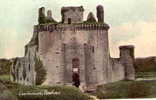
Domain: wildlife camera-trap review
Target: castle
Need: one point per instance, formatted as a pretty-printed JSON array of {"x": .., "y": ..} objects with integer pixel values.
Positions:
[{"x": 73, "y": 45}]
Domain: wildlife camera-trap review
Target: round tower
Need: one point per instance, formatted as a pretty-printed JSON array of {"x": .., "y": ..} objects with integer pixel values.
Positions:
[
  {"x": 127, "y": 59},
  {"x": 100, "y": 13}
]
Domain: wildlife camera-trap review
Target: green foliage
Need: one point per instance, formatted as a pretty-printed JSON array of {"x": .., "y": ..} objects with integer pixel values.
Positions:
[
  {"x": 145, "y": 75},
  {"x": 65, "y": 92},
  {"x": 42, "y": 20},
  {"x": 127, "y": 89},
  {"x": 6, "y": 94},
  {"x": 40, "y": 71},
  {"x": 51, "y": 21},
  {"x": 145, "y": 64},
  {"x": 5, "y": 66},
  {"x": 5, "y": 77}
]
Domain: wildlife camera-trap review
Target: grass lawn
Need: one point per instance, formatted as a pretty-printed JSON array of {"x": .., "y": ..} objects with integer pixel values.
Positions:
[
  {"x": 127, "y": 89},
  {"x": 120, "y": 89},
  {"x": 10, "y": 90},
  {"x": 4, "y": 77},
  {"x": 146, "y": 74}
]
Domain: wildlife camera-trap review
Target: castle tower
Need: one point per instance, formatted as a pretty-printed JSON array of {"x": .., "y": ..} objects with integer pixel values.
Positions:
[
  {"x": 127, "y": 59},
  {"x": 100, "y": 13},
  {"x": 70, "y": 46}
]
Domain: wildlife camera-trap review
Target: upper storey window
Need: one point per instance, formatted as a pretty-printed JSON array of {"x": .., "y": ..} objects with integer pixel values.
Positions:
[{"x": 69, "y": 21}]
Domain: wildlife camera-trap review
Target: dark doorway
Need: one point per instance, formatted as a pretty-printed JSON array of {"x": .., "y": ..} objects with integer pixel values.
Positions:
[
  {"x": 69, "y": 20},
  {"x": 75, "y": 70}
]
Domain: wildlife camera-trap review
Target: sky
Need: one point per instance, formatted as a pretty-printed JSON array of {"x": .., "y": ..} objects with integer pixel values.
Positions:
[{"x": 132, "y": 22}]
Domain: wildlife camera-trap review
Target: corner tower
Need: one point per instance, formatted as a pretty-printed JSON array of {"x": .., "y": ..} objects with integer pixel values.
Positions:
[{"x": 127, "y": 59}]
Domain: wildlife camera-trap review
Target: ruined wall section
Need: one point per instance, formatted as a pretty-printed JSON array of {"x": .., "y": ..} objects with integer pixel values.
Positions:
[
  {"x": 118, "y": 70},
  {"x": 23, "y": 69},
  {"x": 22, "y": 72},
  {"x": 123, "y": 67}
]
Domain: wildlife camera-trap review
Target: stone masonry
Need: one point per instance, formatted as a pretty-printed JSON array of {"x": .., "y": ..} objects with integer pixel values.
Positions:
[{"x": 74, "y": 44}]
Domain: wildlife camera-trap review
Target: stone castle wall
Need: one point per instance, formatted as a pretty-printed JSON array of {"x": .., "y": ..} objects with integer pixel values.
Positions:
[
  {"x": 58, "y": 44},
  {"x": 58, "y": 47}
]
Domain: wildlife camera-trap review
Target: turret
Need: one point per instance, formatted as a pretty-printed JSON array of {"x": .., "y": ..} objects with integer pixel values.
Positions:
[
  {"x": 41, "y": 16},
  {"x": 49, "y": 18},
  {"x": 127, "y": 59},
  {"x": 100, "y": 13},
  {"x": 91, "y": 18}
]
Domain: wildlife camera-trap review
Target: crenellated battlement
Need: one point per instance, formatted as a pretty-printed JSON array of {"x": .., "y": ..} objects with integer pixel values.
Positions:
[{"x": 75, "y": 27}]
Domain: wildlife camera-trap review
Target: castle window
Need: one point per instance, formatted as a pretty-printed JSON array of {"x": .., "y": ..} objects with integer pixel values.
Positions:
[
  {"x": 29, "y": 67},
  {"x": 93, "y": 49},
  {"x": 69, "y": 20},
  {"x": 57, "y": 53}
]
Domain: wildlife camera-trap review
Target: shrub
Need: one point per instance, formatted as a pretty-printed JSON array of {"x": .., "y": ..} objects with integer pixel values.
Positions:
[
  {"x": 40, "y": 71},
  {"x": 5, "y": 66}
]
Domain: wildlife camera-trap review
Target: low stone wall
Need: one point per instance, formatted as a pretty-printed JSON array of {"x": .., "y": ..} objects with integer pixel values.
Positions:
[{"x": 118, "y": 72}]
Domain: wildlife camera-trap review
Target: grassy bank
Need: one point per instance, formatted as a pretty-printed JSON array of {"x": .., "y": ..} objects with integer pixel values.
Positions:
[
  {"x": 145, "y": 75},
  {"x": 127, "y": 89},
  {"x": 15, "y": 90}
]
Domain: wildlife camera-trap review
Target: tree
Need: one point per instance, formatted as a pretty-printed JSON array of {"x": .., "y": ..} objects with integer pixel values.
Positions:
[{"x": 40, "y": 71}]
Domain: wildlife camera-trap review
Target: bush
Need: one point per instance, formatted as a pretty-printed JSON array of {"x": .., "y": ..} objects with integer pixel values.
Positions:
[
  {"x": 5, "y": 66},
  {"x": 40, "y": 71},
  {"x": 5, "y": 77}
]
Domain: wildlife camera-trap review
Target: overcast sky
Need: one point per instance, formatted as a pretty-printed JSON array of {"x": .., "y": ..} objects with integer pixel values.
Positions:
[{"x": 131, "y": 22}]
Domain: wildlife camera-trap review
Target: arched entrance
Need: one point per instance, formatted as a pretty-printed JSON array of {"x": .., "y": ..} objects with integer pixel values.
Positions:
[{"x": 75, "y": 72}]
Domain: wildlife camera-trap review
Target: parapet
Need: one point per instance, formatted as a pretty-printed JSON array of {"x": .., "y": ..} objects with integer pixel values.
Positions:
[
  {"x": 64, "y": 9},
  {"x": 70, "y": 15},
  {"x": 72, "y": 27}
]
